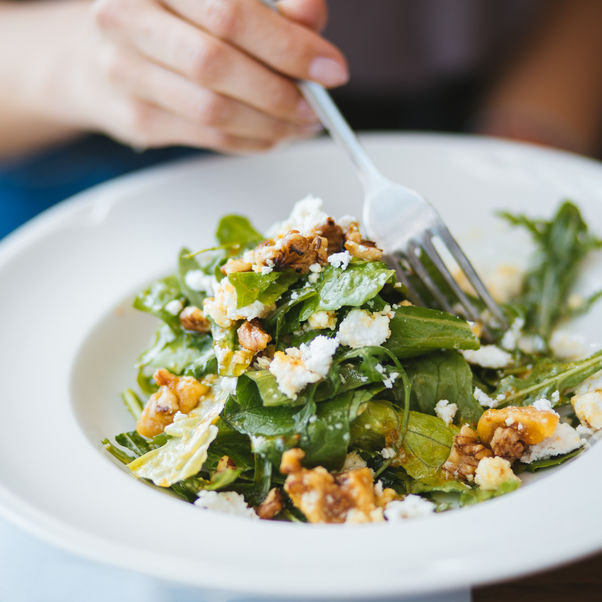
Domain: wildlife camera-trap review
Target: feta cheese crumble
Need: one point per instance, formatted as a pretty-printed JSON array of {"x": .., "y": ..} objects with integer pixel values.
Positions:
[
  {"x": 174, "y": 307},
  {"x": 567, "y": 346},
  {"x": 340, "y": 260},
  {"x": 353, "y": 461},
  {"x": 446, "y": 410},
  {"x": 387, "y": 453},
  {"x": 564, "y": 440},
  {"x": 362, "y": 328},
  {"x": 412, "y": 506},
  {"x": 200, "y": 282},
  {"x": 493, "y": 472},
  {"x": 488, "y": 356},
  {"x": 485, "y": 400},
  {"x": 544, "y": 405},
  {"x": 512, "y": 335},
  {"x": 223, "y": 310},
  {"x": 310, "y": 363},
  {"x": 305, "y": 216},
  {"x": 227, "y": 502},
  {"x": 322, "y": 319},
  {"x": 388, "y": 378},
  {"x": 588, "y": 407}
]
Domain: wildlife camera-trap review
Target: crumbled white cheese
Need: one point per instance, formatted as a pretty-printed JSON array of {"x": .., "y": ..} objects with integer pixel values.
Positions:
[
  {"x": 488, "y": 356},
  {"x": 543, "y": 405},
  {"x": 228, "y": 502},
  {"x": 555, "y": 397},
  {"x": 510, "y": 421},
  {"x": 531, "y": 343},
  {"x": 200, "y": 282},
  {"x": 262, "y": 362},
  {"x": 564, "y": 440},
  {"x": 412, "y": 506},
  {"x": 512, "y": 335},
  {"x": 313, "y": 277},
  {"x": 305, "y": 216},
  {"x": 493, "y": 472},
  {"x": 592, "y": 383},
  {"x": 174, "y": 307},
  {"x": 446, "y": 410},
  {"x": 266, "y": 269},
  {"x": 362, "y": 328},
  {"x": 565, "y": 345},
  {"x": 340, "y": 260},
  {"x": 588, "y": 407},
  {"x": 222, "y": 308},
  {"x": 378, "y": 488},
  {"x": 485, "y": 400},
  {"x": 297, "y": 368},
  {"x": 315, "y": 268},
  {"x": 322, "y": 319},
  {"x": 353, "y": 461},
  {"x": 584, "y": 431},
  {"x": 387, "y": 453},
  {"x": 388, "y": 378},
  {"x": 346, "y": 221}
]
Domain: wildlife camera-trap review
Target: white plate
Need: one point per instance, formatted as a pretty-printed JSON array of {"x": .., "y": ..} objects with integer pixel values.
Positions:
[{"x": 69, "y": 341}]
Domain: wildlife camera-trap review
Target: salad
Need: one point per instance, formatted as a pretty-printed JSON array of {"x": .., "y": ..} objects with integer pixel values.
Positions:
[{"x": 291, "y": 378}]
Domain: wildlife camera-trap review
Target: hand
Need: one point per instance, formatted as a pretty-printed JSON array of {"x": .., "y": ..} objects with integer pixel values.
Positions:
[{"x": 206, "y": 73}]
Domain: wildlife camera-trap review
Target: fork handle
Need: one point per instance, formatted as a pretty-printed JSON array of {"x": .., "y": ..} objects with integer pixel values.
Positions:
[{"x": 332, "y": 119}]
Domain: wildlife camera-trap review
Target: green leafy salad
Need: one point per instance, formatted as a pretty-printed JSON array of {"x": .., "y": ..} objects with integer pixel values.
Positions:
[{"x": 290, "y": 377}]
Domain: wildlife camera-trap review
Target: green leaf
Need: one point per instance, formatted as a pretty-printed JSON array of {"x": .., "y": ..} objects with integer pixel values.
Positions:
[
  {"x": 352, "y": 287},
  {"x": 561, "y": 245},
  {"x": 376, "y": 427},
  {"x": 437, "y": 483},
  {"x": 186, "y": 353},
  {"x": 443, "y": 375},
  {"x": 187, "y": 264},
  {"x": 157, "y": 296},
  {"x": 547, "y": 462},
  {"x": 418, "y": 330},
  {"x": 546, "y": 377},
  {"x": 477, "y": 495},
  {"x": 266, "y": 288},
  {"x": 236, "y": 230},
  {"x": 328, "y": 432}
]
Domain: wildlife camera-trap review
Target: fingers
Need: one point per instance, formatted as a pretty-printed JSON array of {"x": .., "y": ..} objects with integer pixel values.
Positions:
[
  {"x": 205, "y": 60},
  {"x": 309, "y": 13},
  {"x": 285, "y": 46},
  {"x": 201, "y": 107}
]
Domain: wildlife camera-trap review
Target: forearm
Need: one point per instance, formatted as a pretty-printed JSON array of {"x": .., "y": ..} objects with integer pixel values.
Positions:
[
  {"x": 37, "y": 44},
  {"x": 553, "y": 87}
]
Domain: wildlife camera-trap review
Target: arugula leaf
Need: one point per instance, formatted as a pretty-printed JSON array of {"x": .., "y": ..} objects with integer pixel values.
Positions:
[
  {"x": 546, "y": 377},
  {"x": 236, "y": 230},
  {"x": 266, "y": 288},
  {"x": 185, "y": 353},
  {"x": 140, "y": 445},
  {"x": 328, "y": 434},
  {"x": 443, "y": 375},
  {"x": 562, "y": 244},
  {"x": 352, "y": 287},
  {"x": 418, "y": 330},
  {"x": 157, "y": 296}
]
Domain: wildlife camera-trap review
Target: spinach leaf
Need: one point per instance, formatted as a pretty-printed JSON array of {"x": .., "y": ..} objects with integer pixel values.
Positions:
[
  {"x": 328, "y": 434},
  {"x": 477, "y": 495},
  {"x": 286, "y": 317},
  {"x": 236, "y": 230},
  {"x": 376, "y": 427},
  {"x": 437, "y": 483},
  {"x": 266, "y": 288},
  {"x": 272, "y": 448},
  {"x": 184, "y": 353},
  {"x": 268, "y": 389},
  {"x": 426, "y": 445},
  {"x": 561, "y": 245},
  {"x": 157, "y": 296},
  {"x": 546, "y": 377},
  {"x": 418, "y": 330},
  {"x": 547, "y": 462},
  {"x": 352, "y": 287},
  {"x": 443, "y": 375},
  {"x": 187, "y": 264},
  {"x": 231, "y": 443}
]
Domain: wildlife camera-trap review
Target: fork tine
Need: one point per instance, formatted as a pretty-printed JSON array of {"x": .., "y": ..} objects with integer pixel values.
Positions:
[
  {"x": 433, "y": 254},
  {"x": 470, "y": 272},
  {"x": 415, "y": 263},
  {"x": 413, "y": 294}
]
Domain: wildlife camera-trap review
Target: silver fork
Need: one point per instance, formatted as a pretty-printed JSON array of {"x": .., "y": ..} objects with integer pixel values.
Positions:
[{"x": 400, "y": 220}]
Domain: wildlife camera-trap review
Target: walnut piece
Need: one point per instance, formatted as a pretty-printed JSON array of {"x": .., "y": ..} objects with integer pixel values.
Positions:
[
  {"x": 175, "y": 394},
  {"x": 193, "y": 318},
  {"x": 507, "y": 443},
  {"x": 272, "y": 505},
  {"x": 236, "y": 265},
  {"x": 333, "y": 233},
  {"x": 225, "y": 463},
  {"x": 359, "y": 247},
  {"x": 327, "y": 498},
  {"x": 465, "y": 454},
  {"x": 252, "y": 336}
]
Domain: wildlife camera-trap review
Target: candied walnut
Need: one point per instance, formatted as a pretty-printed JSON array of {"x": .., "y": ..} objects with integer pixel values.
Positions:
[
  {"x": 333, "y": 233},
  {"x": 225, "y": 463},
  {"x": 327, "y": 498},
  {"x": 236, "y": 265},
  {"x": 193, "y": 318},
  {"x": 272, "y": 505},
  {"x": 293, "y": 251},
  {"x": 534, "y": 425},
  {"x": 465, "y": 454},
  {"x": 175, "y": 394},
  {"x": 359, "y": 247},
  {"x": 507, "y": 443},
  {"x": 252, "y": 336}
]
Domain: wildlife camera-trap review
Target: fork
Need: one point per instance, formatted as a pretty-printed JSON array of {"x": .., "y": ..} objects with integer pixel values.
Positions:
[{"x": 400, "y": 220}]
